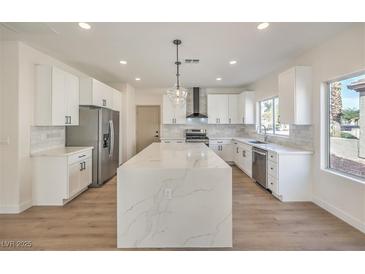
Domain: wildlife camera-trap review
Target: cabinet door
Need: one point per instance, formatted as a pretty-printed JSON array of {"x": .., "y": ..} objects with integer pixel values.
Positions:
[
  {"x": 117, "y": 100},
  {"x": 286, "y": 96},
  {"x": 227, "y": 152},
  {"x": 246, "y": 107},
  {"x": 59, "y": 104},
  {"x": 180, "y": 114},
  {"x": 222, "y": 108},
  {"x": 213, "y": 113},
  {"x": 72, "y": 98},
  {"x": 215, "y": 148},
  {"x": 233, "y": 109},
  {"x": 97, "y": 94},
  {"x": 108, "y": 96},
  {"x": 217, "y": 109},
  {"x": 74, "y": 171},
  {"x": 86, "y": 174},
  {"x": 168, "y": 116}
]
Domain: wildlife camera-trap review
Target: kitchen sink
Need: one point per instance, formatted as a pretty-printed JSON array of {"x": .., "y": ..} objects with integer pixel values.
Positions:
[{"x": 257, "y": 142}]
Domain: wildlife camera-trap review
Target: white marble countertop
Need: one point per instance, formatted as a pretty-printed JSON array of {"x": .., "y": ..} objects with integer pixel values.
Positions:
[
  {"x": 60, "y": 152},
  {"x": 176, "y": 138},
  {"x": 273, "y": 147},
  {"x": 184, "y": 155}
]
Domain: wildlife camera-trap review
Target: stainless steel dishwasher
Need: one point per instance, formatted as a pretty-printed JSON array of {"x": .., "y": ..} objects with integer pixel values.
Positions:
[{"x": 259, "y": 166}]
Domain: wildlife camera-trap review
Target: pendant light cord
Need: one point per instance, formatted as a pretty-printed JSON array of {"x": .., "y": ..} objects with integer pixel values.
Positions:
[{"x": 177, "y": 67}]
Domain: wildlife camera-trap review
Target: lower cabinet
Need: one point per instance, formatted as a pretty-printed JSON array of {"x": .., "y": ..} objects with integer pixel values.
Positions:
[
  {"x": 289, "y": 176},
  {"x": 224, "y": 149},
  {"x": 243, "y": 157},
  {"x": 57, "y": 179}
]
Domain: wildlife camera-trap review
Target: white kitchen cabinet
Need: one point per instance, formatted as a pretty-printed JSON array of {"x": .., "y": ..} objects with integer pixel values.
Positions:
[
  {"x": 117, "y": 100},
  {"x": 243, "y": 157},
  {"x": 172, "y": 113},
  {"x": 295, "y": 95},
  {"x": 58, "y": 178},
  {"x": 289, "y": 176},
  {"x": 234, "y": 109},
  {"x": 95, "y": 93},
  {"x": 217, "y": 109},
  {"x": 231, "y": 108},
  {"x": 246, "y": 108},
  {"x": 224, "y": 148},
  {"x": 56, "y": 97}
]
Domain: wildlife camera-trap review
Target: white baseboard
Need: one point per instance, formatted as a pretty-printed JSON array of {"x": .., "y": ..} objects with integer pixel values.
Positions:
[
  {"x": 16, "y": 209},
  {"x": 340, "y": 214}
]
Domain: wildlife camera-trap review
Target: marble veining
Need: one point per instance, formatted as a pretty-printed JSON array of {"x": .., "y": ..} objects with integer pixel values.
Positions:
[{"x": 171, "y": 196}]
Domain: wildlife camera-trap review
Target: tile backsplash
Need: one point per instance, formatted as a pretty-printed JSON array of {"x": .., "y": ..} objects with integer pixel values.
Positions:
[
  {"x": 301, "y": 136},
  {"x": 42, "y": 138}
]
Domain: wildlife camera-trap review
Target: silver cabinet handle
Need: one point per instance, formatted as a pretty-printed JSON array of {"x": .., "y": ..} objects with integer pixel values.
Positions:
[
  {"x": 243, "y": 120},
  {"x": 66, "y": 118},
  {"x": 81, "y": 167},
  {"x": 229, "y": 120},
  {"x": 82, "y": 156},
  {"x": 104, "y": 102},
  {"x": 70, "y": 119}
]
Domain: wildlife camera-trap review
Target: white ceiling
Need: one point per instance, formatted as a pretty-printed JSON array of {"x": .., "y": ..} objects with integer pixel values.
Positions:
[{"x": 150, "y": 53}]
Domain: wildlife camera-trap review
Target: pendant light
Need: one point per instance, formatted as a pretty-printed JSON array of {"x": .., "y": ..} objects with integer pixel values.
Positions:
[{"x": 177, "y": 94}]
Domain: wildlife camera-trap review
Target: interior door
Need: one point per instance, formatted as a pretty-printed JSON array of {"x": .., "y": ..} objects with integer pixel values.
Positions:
[{"x": 148, "y": 126}]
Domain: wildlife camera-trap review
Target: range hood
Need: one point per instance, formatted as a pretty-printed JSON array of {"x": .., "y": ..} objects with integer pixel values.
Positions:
[{"x": 196, "y": 109}]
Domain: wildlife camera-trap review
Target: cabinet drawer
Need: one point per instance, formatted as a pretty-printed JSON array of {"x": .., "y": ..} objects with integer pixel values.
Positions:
[
  {"x": 220, "y": 142},
  {"x": 273, "y": 156},
  {"x": 272, "y": 168},
  {"x": 273, "y": 184},
  {"x": 79, "y": 156}
]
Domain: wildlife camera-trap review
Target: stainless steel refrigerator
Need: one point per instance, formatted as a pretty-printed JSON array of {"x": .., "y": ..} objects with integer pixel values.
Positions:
[{"x": 98, "y": 127}]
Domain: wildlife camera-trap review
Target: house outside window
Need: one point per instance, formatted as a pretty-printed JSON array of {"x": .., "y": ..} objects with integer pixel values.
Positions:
[
  {"x": 269, "y": 118},
  {"x": 346, "y": 126}
]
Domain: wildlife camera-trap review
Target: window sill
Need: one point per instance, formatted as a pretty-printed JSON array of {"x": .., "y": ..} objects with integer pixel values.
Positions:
[{"x": 344, "y": 175}]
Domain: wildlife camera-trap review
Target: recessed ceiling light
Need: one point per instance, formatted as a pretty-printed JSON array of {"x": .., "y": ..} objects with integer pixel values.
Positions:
[
  {"x": 262, "y": 26},
  {"x": 123, "y": 62},
  {"x": 138, "y": 79},
  {"x": 218, "y": 79},
  {"x": 232, "y": 62},
  {"x": 84, "y": 25}
]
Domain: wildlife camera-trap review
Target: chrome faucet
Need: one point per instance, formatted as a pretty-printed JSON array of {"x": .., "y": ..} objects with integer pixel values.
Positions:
[{"x": 265, "y": 132}]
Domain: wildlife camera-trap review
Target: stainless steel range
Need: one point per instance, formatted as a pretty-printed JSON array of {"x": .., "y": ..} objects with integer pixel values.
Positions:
[{"x": 196, "y": 136}]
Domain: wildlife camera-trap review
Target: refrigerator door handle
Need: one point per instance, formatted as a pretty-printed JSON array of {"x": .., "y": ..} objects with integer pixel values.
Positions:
[{"x": 111, "y": 134}]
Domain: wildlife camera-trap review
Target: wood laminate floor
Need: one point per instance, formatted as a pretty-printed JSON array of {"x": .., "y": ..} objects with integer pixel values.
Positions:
[{"x": 260, "y": 222}]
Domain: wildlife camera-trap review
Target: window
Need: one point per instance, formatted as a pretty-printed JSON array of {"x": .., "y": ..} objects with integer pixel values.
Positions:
[
  {"x": 270, "y": 118},
  {"x": 346, "y": 131}
]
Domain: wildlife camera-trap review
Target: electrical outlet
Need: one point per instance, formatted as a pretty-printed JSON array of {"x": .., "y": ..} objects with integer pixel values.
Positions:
[{"x": 168, "y": 193}]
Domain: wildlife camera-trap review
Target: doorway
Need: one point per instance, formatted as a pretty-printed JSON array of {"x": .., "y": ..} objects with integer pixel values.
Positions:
[{"x": 148, "y": 126}]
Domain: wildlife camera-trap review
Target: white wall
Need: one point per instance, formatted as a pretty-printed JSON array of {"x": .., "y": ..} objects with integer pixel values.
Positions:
[
  {"x": 341, "y": 55},
  {"x": 18, "y": 87},
  {"x": 128, "y": 125}
]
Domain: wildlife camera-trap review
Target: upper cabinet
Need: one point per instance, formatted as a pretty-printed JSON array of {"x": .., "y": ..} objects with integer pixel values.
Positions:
[
  {"x": 171, "y": 113},
  {"x": 95, "y": 93},
  {"x": 246, "y": 108},
  {"x": 231, "y": 108},
  {"x": 295, "y": 95},
  {"x": 56, "y": 98},
  {"x": 117, "y": 100},
  {"x": 218, "y": 109}
]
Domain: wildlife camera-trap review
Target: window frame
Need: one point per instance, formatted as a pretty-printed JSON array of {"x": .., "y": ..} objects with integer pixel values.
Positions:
[
  {"x": 327, "y": 122},
  {"x": 259, "y": 130}
]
